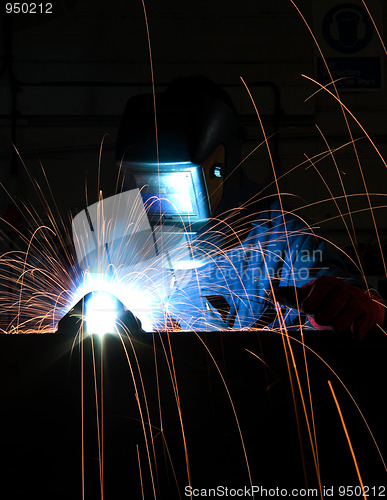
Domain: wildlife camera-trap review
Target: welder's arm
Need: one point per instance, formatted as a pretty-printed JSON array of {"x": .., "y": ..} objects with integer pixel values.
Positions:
[{"x": 331, "y": 302}]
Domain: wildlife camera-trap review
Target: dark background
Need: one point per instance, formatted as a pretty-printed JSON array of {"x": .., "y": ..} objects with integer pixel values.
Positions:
[{"x": 66, "y": 77}]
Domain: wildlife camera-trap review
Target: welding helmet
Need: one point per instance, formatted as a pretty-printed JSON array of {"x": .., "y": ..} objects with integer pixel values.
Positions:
[{"x": 165, "y": 141}]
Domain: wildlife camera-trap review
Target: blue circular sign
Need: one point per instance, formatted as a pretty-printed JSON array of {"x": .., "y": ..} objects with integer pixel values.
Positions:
[{"x": 347, "y": 28}]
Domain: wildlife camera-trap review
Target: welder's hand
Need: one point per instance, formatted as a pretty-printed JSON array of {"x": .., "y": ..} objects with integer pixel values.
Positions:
[{"x": 346, "y": 308}]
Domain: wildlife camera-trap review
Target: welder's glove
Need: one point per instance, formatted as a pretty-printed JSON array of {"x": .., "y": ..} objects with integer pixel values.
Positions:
[{"x": 331, "y": 302}]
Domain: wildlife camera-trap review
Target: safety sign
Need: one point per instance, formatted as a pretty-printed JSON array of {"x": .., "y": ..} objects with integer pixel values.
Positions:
[{"x": 349, "y": 42}]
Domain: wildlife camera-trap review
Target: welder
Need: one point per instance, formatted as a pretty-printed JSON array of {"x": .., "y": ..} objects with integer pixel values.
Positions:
[{"x": 183, "y": 149}]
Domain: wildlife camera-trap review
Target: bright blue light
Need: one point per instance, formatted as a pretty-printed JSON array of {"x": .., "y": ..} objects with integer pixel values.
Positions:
[
  {"x": 101, "y": 313},
  {"x": 129, "y": 288},
  {"x": 169, "y": 164}
]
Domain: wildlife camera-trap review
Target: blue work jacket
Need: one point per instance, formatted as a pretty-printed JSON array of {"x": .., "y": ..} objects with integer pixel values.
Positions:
[{"x": 235, "y": 290}]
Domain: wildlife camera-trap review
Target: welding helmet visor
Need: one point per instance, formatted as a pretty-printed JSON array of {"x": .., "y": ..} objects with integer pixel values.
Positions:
[
  {"x": 174, "y": 194},
  {"x": 167, "y": 166}
]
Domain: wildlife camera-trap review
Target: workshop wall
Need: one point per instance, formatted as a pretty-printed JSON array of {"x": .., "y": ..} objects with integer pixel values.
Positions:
[{"x": 66, "y": 77}]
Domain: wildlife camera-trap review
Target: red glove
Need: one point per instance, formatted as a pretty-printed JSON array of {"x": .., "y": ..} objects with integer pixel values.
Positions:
[{"x": 348, "y": 309}]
